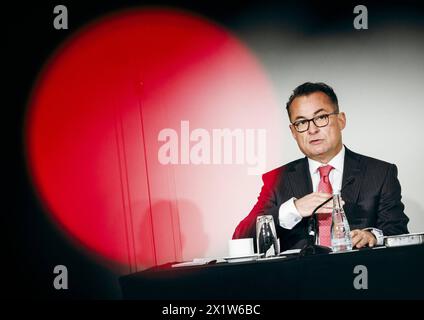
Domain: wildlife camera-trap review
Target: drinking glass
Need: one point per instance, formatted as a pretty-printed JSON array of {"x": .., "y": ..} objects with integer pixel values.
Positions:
[{"x": 266, "y": 236}]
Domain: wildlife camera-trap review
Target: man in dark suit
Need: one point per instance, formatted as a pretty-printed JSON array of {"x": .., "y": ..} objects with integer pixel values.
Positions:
[{"x": 369, "y": 187}]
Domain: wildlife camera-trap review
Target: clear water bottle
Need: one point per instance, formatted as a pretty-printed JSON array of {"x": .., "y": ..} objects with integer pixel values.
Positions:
[{"x": 340, "y": 230}]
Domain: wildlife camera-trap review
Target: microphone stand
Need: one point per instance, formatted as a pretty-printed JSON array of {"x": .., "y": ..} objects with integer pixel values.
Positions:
[{"x": 312, "y": 247}]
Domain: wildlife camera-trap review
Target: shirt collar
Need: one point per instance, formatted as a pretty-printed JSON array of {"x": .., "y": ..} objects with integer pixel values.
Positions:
[{"x": 337, "y": 162}]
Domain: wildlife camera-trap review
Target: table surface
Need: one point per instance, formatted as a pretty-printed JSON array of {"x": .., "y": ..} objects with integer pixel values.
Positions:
[{"x": 391, "y": 273}]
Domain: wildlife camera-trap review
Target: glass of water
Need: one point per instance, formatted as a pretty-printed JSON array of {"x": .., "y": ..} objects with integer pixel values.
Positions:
[{"x": 266, "y": 236}]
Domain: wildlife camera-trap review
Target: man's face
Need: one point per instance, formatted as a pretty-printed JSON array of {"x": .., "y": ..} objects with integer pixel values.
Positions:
[{"x": 317, "y": 143}]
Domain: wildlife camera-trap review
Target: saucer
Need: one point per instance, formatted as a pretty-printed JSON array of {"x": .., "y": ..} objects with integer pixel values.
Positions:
[{"x": 251, "y": 257}]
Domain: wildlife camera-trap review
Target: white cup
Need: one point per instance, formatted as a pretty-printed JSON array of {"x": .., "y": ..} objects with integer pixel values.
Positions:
[{"x": 240, "y": 247}]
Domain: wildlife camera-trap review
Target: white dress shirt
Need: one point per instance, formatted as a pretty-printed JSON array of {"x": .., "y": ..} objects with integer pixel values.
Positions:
[{"x": 288, "y": 215}]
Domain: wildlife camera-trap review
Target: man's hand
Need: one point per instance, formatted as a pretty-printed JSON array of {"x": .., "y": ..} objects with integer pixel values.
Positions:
[
  {"x": 308, "y": 203},
  {"x": 362, "y": 238}
]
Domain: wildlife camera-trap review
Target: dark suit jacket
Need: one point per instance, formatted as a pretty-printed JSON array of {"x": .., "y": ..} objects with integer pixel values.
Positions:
[{"x": 372, "y": 198}]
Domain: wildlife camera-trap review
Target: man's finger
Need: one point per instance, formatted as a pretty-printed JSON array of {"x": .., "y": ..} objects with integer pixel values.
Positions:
[
  {"x": 363, "y": 239},
  {"x": 372, "y": 239},
  {"x": 355, "y": 240},
  {"x": 357, "y": 237},
  {"x": 363, "y": 242},
  {"x": 323, "y": 196},
  {"x": 354, "y": 243}
]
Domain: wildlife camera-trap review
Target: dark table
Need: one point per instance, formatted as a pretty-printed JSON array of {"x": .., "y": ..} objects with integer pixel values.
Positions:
[{"x": 392, "y": 273}]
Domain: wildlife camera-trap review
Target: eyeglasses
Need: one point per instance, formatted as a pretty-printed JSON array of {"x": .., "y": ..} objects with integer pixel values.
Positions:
[{"x": 319, "y": 121}]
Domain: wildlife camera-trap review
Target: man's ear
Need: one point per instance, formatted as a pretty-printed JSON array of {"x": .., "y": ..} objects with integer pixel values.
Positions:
[
  {"x": 342, "y": 120},
  {"x": 293, "y": 131}
]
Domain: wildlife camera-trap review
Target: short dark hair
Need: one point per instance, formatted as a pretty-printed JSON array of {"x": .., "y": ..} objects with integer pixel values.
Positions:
[{"x": 307, "y": 88}]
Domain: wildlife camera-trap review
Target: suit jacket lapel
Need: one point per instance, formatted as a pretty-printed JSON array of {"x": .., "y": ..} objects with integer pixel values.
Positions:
[
  {"x": 299, "y": 178},
  {"x": 353, "y": 168}
]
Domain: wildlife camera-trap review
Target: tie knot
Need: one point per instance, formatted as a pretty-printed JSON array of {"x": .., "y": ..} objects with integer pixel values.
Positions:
[{"x": 325, "y": 170}]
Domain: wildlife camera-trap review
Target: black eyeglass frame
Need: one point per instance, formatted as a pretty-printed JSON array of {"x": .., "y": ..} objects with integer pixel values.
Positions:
[{"x": 313, "y": 120}]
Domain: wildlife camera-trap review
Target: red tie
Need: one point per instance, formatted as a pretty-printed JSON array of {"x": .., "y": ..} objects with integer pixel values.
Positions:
[{"x": 324, "y": 220}]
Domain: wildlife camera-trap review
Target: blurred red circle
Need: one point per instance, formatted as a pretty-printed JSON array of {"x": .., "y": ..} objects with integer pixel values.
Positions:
[{"x": 95, "y": 114}]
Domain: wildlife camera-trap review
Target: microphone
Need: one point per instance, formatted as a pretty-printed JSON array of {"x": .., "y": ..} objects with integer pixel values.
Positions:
[{"x": 312, "y": 230}]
